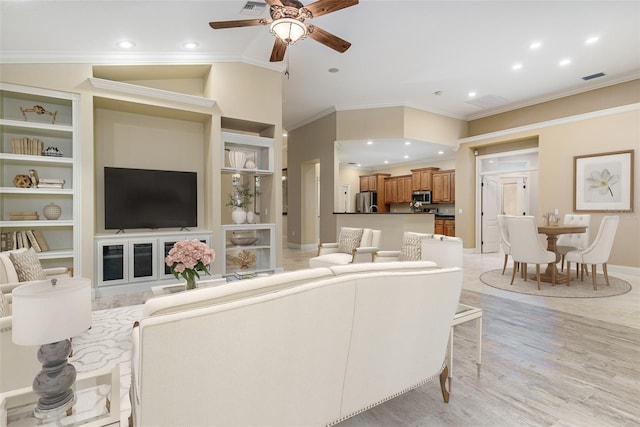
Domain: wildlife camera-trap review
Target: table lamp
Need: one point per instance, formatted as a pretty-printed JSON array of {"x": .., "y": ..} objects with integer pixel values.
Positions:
[{"x": 48, "y": 313}]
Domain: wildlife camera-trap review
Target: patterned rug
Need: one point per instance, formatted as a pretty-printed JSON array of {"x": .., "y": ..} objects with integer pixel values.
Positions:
[
  {"x": 576, "y": 289},
  {"x": 106, "y": 345}
]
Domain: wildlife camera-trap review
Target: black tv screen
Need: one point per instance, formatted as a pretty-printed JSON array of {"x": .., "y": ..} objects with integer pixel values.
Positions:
[{"x": 144, "y": 198}]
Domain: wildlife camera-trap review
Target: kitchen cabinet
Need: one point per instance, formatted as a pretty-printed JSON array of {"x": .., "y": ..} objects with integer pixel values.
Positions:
[
  {"x": 404, "y": 189},
  {"x": 445, "y": 227},
  {"x": 391, "y": 190},
  {"x": 442, "y": 187},
  {"x": 372, "y": 182},
  {"x": 422, "y": 179}
]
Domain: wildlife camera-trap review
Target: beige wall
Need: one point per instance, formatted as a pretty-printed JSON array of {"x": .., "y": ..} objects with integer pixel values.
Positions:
[
  {"x": 558, "y": 144},
  {"x": 241, "y": 91}
]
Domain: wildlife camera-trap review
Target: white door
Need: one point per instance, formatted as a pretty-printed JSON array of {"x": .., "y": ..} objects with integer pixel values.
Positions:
[
  {"x": 490, "y": 238},
  {"x": 344, "y": 197}
]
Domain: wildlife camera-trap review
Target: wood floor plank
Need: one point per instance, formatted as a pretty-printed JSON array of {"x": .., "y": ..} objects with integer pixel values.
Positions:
[{"x": 540, "y": 367}]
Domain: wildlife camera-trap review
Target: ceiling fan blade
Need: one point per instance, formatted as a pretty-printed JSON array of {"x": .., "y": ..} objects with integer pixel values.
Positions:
[
  {"x": 279, "y": 49},
  {"x": 322, "y": 7},
  {"x": 328, "y": 39},
  {"x": 217, "y": 25}
]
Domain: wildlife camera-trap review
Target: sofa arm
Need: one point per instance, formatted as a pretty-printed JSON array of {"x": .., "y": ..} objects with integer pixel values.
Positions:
[
  {"x": 327, "y": 248},
  {"x": 386, "y": 256},
  {"x": 364, "y": 254},
  {"x": 58, "y": 272}
]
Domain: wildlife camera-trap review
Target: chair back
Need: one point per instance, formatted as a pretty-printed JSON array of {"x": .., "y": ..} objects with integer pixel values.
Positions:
[
  {"x": 504, "y": 234},
  {"x": 525, "y": 244},
  {"x": 598, "y": 252},
  {"x": 371, "y": 237},
  {"x": 576, "y": 240}
]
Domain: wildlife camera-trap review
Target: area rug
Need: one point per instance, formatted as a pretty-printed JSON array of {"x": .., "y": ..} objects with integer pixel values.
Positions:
[{"x": 577, "y": 289}]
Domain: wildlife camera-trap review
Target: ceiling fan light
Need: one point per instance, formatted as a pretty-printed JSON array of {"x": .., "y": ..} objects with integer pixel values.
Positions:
[{"x": 288, "y": 30}]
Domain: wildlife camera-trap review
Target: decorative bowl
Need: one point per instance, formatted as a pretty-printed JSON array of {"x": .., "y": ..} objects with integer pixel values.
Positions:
[{"x": 243, "y": 241}]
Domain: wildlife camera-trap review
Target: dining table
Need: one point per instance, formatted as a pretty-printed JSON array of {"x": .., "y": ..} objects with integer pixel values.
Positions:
[{"x": 552, "y": 232}]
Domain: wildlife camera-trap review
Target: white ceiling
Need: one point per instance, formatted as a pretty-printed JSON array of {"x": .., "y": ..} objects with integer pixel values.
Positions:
[{"x": 402, "y": 52}]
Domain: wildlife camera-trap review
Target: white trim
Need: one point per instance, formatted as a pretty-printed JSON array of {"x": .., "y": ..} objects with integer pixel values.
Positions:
[
  {"x": 554, "y": 122},
  {"x": 149, "y": 92}
]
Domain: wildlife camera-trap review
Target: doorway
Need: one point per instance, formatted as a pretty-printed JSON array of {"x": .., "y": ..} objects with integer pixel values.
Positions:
[{"x": 508, "y": 185}]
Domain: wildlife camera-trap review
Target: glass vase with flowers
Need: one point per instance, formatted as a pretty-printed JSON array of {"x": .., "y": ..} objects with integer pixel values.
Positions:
[{"x": 187, "y": 257}]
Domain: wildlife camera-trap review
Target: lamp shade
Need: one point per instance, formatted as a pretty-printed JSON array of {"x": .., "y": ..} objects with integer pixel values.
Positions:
[
  {"x": 44, "y": 313},
  {"x": 288, "y": 30}
]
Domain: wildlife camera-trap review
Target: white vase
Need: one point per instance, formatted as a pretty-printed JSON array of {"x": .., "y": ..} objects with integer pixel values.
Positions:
[
  {"x": 52, "y": 211},
  {"x": 238, "y": 215},
  {"x": 236, "y": 159},
  {"x": 250, "y": 217}
]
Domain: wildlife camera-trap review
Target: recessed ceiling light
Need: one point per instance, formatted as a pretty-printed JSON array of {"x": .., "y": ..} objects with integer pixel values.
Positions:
[
  {"x": 535, "y": 45},
  {"x": 386, "y": 161},
  {"x": 190, "y": 45},
  {"x": 516, "y": 66},
  {"x": 407, "y": 143},
  {"x": 440, "y": 152},
  {"x": 359, "y": 165},
  {"x": 369, "y": 142},
  {"x": 564, "y": 62},
  {"x": 284, "y": 134},
  {"x": 472, "y": 94},
  {"x": 406, "y": 156},
  {"x": 592, "y": 40},
  {"x": 126, "y": 44}
]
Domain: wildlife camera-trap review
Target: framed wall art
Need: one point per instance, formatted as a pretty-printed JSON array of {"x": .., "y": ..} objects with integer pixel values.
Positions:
[{"x": 603, "y": 182}]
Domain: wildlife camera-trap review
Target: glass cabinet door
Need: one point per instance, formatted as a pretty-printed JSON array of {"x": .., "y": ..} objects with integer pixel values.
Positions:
[
  {"x": 112, "y": 267},
  {"x": 143, "y": 260}
]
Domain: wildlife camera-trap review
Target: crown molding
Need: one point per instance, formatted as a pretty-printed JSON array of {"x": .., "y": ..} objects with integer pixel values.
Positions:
[{"x": 131, "y": 89}]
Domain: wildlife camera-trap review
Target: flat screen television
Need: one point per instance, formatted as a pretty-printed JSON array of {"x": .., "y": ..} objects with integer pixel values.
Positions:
[{"x": 145, "y": 198}]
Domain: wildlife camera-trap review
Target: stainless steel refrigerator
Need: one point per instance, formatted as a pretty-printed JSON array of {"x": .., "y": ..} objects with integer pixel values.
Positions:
[{"x": 367, "y": 202}]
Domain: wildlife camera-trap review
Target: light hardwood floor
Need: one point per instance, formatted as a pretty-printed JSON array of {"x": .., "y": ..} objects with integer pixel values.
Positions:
[{"x": 546, "y": 361}]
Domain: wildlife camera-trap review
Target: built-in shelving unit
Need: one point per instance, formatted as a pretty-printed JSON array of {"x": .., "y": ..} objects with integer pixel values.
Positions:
[
  {"x": 257, "y": 171},
  {"x": 48, "y": 120}
]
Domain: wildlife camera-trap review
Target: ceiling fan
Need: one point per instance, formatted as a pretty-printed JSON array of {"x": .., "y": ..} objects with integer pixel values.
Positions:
[{"x": 287, "y": 24}]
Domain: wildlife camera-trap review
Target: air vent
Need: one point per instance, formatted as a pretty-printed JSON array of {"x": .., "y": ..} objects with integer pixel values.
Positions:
[
  {"x": 488, "y": 101},
  {"x": 254, "y": 8},
  {"x": 593, "y": 76}
]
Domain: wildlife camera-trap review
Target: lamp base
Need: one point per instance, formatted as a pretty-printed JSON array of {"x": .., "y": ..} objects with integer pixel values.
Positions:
[{"x": 53, "y": 383}]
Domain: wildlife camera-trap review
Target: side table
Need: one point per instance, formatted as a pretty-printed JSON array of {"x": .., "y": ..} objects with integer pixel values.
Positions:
[
  {"x": 97, "y": 403},
  {"x": 466, "y": 313}
]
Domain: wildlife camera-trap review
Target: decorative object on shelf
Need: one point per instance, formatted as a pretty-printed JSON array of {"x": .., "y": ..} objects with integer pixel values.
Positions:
[
  {"x": 22, "y": 181},
  {"x": 48, "y": 314},
  {"x": 238, "y": 215},
  {"x": 39, "y": 110},
  {"x": 250, "y": 164},
  {"x": 52, "y": 152},
  {"x": 250, "y": 217},
  {"x": 28, "y": 146},
  {"x": 187, "y": 257},
  {"x": 244, "y": 238},
  {"x": 24, "y": 216},
  {"x": 241, "y": 198},
  {"x": 237, "y": 159},
  {"x": 50, "y": 183},
  {"x": 33, "y": 176},
  {"x": 244, "y": 259},
  {"x": 52, "y": 211}
]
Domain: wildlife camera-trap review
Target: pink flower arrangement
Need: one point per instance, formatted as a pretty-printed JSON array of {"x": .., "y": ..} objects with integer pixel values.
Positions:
[{"x": 187, "y": 257}]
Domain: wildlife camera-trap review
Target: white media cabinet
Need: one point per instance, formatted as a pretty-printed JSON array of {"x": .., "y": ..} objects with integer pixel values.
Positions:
[{"x": 138, "y": 257}]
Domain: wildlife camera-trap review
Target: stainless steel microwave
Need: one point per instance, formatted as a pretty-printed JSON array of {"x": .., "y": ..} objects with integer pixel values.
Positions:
[{"x": 422, "y": 196}]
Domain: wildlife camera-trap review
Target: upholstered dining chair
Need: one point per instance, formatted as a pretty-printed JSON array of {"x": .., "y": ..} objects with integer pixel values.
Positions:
[
  {"x": 526, "y": 247},
  {"x": 354, "y": 245},
  {"x": 597, "y": 253},
  {"x": 571, "y": 242},
  {"x": 504, "y": 240}
]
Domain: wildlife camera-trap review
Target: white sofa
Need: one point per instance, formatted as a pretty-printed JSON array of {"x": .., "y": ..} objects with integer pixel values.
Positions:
[
  {"x": 445, "y": 251},
  {"x": 335, "y": 253},
  {"x": 305, "y": 348}
]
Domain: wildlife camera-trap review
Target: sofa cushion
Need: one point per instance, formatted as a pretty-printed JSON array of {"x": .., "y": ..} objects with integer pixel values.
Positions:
[
  {"x": 399, "y": 266},
  {"x": 27, "y": 265},
  {"x": 4, "y": 306},
  {"x": 411, "y": 249},
  {"x": 349, "y": 239},
  {"x": 329, "y": 260}
]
